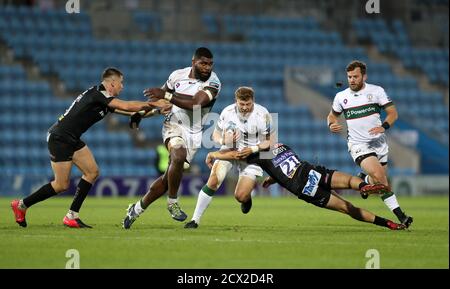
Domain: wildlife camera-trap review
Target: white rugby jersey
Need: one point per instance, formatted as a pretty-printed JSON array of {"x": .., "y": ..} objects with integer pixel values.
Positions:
[
  {"x": 253, "y": 128},
  {"x": 180, "y": 82},
  {"x": 361, "y": 110}
]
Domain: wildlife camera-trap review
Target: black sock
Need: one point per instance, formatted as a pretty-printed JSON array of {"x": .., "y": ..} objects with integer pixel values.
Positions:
[
  {"x": 379, "y": 221},
  {"x": 45, "y": 192},
  {"x": 399, "y": 213},
  {"x": 81, "y": 193},
  {"x": 362, "y": 184}
]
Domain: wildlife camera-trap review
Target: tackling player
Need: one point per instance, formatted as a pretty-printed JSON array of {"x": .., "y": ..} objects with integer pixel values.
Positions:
[
  {"x": 313, "y": 184},
  {"x": 66, "y": 147}
]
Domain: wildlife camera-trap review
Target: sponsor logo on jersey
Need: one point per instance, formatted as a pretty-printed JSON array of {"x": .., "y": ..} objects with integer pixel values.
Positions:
[
  {"x": 312, "y": 185},
  {"x": 361, "y": 111}
]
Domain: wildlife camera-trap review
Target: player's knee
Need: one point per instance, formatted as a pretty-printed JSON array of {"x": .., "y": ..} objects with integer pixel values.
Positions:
[
  {"x": 241, "y": 196},
  {"x": 379, "y": 177},
  {"x": 92, "y": 175},
  {"x": 213, "y": 182},
  {"x": 178, "y": 156},
  {"x": 60, "y": 186}
]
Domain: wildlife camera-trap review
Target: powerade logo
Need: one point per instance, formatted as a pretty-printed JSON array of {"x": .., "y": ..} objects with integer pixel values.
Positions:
[
  {"x": 362, "y": 111},
  {"x": 311, "y": 186}
]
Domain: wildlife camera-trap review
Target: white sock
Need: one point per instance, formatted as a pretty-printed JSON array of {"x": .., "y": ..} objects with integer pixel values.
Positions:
[
  {"x": 72, "y": 215},
  {"x": 138, "y": 208},
  {"x": 171, "y": 201},
  {"x": 203, "y": 201},
  {"x": 391, "y": 202}
]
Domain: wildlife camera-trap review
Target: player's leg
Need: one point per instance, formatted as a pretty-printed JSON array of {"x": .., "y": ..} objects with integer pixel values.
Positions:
[
  {"x": 392, "y": 199},
  {"x": 246, "y": 183},
  {"x": 85, "y": 161},
  {"x": 341, "y": 180},
  {"x": 61, "y": 163},
  {"x": 157, "y": 189},
  {"x": 337, "y": 203},
  {"x": 218, "y": 173},
  {"x": 243, "y": 192},
  {"x": 377, "y": 174},
  {"x": 178, "y": 153}
]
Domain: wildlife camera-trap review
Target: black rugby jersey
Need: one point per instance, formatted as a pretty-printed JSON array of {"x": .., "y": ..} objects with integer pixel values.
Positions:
[
  {"x": 87, "y": 109},
  {"x": 284, "y": 166}
]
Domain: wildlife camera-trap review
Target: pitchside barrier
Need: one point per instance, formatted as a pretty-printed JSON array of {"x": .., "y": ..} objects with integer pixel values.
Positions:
[{"x": 22, "y": 185}]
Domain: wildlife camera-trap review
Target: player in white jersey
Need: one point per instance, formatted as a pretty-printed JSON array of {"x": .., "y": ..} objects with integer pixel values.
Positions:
[
  {"x": 361, "y": 105},
  {"x": 241, "y": 125},
  {"x": 192, "y": 92}
]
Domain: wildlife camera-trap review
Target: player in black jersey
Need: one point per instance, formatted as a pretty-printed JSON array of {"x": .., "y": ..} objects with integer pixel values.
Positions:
[
  {"x": 313, "y": 184},
  {"x": 66, "y": 148}
]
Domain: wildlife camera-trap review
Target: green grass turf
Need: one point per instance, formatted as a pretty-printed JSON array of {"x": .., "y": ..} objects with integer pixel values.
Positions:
[{"x": 277, "y": 233}]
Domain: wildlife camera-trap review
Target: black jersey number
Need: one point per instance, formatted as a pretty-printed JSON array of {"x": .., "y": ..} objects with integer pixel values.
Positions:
[{"x": 289, "y": 166}]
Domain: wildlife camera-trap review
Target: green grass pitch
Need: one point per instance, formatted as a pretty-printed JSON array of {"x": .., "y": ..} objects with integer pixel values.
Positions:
[{"x": 277, "y": 233}]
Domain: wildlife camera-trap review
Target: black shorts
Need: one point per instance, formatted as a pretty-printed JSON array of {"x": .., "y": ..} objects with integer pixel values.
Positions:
[
  {"x": 315, "y": 190},
  {"x": 62, "y": 148}
]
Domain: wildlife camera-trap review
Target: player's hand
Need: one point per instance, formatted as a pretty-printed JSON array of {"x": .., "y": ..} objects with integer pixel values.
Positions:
[
  {"x": 135, "y": 119},
  {"x": 376, "y": 130},
  {"x": 336, "y": 127},
  {"x": 244, "y": 153},
  {"x": 231, "y": 138},
  {"x": 209, "y": 160},
  {"x": 267, "y": 182},
  {"x": 154, "y": 93},
  {"x": 164, "y": 106}
]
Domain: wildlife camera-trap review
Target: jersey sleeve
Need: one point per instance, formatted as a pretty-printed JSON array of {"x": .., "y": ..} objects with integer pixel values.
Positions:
[
  {"x": 101, "y": 98},
  {"x": 213, "y": 84},
  {"x": 170, "y": 83},
  {"x": 337, "y": 107},
  {"x": 383, "y": 99}
]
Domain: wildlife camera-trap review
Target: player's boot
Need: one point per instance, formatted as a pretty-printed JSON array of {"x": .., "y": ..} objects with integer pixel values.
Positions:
[
  {"x": 372, "y": 189},
  {"x": 176, "y": 212},
  {"x": 191, "y": 225},
  {"x": 19, "y": 214},
  {"x": 130, "y": 217},
  {"x": 245, "y": 207},
  {"x": 407, "y": 221},
  {"x": 395, "y": 226},
  {"x": 74, "y": 223}
]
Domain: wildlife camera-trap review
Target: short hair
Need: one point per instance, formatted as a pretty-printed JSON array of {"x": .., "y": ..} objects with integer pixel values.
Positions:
[
  {"x": 244, "y": 93},
  {"x": 110, "y": 71},
  {"x": 202, "y": 52},
  {"x": 355, "y": 64}
]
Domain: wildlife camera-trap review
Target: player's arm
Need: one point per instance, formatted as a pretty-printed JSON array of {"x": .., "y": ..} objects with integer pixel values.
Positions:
[
  {"x": 227, "y": 155},
  {"x": 391, "y": 117},
  {"x": 268, "y": 181},
  {"x": 333, "y": 121},
  {"x": 201, "y": 98},
  {"x": 130, "y": 106}
]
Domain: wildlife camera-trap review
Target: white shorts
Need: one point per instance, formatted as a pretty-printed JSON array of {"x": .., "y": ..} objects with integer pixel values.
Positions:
[
  {"x": 192, "y": 141},
  {"x": 379, "y": 147},
  {"x": 245, "y": 170}
]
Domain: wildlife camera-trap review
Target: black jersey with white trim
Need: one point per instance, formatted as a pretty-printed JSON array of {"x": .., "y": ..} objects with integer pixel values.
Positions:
[
  {"x": 88, "y": 108},
  {"x": 284, "y": 166}
]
